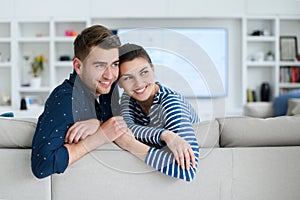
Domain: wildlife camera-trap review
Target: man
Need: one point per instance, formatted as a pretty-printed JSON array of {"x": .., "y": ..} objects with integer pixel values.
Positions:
[{"x": 78, "y": 115}]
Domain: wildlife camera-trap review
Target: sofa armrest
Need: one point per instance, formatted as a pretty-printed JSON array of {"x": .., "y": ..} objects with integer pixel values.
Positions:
[{"x": 259, "y": 109}]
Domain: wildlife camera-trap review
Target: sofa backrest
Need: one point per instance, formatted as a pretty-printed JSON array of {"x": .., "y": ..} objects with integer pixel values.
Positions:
[
  {"x": 16, "y": 132},
  {"x": 256, "y": 132}
]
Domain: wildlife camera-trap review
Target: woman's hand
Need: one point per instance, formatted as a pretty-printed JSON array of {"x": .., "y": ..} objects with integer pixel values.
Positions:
[
  {"x": 180, "y": 148},
  {"x": 80, "y": 130}
]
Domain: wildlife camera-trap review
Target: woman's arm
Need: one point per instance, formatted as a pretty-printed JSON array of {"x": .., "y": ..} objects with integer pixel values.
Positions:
[
  {"x": 160, "y": 159},
  {"x": 145, "y": 134}
]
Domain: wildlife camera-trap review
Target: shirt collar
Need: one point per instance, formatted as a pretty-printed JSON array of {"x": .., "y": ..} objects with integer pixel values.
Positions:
[{"x": 80, "y": 87}]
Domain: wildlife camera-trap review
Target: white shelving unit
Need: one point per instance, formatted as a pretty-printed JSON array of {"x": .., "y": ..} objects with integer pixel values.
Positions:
[
  {"x": 32, "y": 37},
  {"x": 289, "y": 26},
  {"x": 256, "y": 69},
  {"x": 5, "y": 63}
]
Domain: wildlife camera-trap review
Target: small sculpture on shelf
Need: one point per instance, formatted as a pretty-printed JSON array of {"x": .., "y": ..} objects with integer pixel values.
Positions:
[{"x": 269, "y": 56}]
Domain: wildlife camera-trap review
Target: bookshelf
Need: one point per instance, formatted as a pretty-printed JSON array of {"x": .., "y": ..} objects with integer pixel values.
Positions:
[{"x": 260, "y": 36}]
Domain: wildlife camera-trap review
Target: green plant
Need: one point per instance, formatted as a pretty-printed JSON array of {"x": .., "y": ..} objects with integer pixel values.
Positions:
[{"x": 37, "y": 65}]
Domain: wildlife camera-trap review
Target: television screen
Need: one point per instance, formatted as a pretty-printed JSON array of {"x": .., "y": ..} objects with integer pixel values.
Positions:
[{"x": 192, "y": 61}]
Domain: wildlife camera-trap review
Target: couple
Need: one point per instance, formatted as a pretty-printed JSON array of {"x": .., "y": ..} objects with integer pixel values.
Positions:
[{"x": 80, "y": 114}]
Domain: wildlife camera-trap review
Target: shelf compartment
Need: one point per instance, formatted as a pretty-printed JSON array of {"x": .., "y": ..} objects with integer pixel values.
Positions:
[
  {"x": 62, "y": 27},
  {"x": 5, "y": 31},
  {"x": 63, "y": 49},
  {"x": 261, "y": 24},
  {"x": 34, "y": 29},
  {"x": 5, "y": 87},
  {"x": 256, "y": 76}
]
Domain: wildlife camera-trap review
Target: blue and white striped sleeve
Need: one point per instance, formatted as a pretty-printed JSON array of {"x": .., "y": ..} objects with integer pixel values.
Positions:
[
  {"x": 145, "y": 134},
  {"x": 178, "y": 119}
]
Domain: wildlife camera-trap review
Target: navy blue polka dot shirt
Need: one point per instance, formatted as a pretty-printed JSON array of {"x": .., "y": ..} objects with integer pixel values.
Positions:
[{"x": 69, "y": 102}]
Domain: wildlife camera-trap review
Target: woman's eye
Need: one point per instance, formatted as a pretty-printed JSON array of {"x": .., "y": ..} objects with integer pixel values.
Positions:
[
  {"x": 126, "y": 78},
  {"x": 144, "y": 73},
  {"x": 115, "y": 64}
]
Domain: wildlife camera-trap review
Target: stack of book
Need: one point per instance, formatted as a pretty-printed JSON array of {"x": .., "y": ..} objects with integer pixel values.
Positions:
[{"x": 290, "y": 74}]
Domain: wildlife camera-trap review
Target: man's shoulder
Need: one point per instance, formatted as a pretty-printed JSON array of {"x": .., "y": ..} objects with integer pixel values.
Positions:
[{"x": 62, "y": 91}]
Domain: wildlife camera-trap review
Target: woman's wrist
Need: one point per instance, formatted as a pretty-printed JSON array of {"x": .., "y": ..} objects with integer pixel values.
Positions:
[{"x": 166, "y": 136}]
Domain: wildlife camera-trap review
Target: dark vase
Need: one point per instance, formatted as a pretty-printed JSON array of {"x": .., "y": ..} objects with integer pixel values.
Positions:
[
  {"x": 265, "y": 92},
  {"x": 23, "y": 105}
]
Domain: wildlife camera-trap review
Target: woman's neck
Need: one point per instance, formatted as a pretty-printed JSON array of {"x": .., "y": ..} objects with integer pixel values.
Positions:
[{"x": 146, "y": 105}]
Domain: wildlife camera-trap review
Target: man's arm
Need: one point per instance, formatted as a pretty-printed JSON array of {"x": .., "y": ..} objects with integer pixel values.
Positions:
[{"x": 107, "y": 132}]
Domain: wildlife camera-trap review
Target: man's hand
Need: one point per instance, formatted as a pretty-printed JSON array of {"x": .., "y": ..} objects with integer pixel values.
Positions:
[
  {"x": 112, "y": 129},
  {"x": 180, "y": 148},
  {"x": 80, "y": 130},
  {"x": 106, "y": 132}
]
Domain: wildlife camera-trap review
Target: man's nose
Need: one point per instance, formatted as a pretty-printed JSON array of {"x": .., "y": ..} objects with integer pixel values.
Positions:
[{"x": 108, "y": 73}]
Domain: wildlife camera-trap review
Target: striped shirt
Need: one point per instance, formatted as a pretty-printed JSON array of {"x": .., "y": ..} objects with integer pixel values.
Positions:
[{"x": 169, "y": 111}]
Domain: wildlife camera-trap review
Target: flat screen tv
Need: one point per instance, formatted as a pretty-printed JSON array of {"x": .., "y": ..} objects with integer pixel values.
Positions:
[{"x": 192, "y": 61}]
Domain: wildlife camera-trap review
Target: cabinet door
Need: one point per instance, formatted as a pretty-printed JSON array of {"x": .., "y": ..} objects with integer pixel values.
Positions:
[
  {"x": 132, "y": 8},
  {"x": 288, "y": 7},
  {"x": 204, "y": 8}
]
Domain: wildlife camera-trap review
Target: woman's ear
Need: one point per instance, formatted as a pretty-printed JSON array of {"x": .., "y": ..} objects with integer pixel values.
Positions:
[
  {"x": 77, "y": 64},
  {"x": 152, "y": 66},
  {"x": 120, "y": 83}
]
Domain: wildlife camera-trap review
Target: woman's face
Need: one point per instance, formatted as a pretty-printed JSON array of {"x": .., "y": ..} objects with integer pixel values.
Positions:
[{"x": 137, "y": 79}]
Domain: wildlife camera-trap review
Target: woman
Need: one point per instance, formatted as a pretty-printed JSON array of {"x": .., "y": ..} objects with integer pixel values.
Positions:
[{"x": 157, "y": 116}]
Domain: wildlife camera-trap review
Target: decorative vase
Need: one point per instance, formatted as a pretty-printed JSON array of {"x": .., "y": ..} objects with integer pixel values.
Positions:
[
  {"x": 265, "y": 91},
  {"x": 35, "y": 82}
]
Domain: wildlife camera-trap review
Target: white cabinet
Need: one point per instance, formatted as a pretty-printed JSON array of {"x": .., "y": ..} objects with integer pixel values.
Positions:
[
  {"x": 272, "y": 7},
  {"x": 260, "y": 36}
]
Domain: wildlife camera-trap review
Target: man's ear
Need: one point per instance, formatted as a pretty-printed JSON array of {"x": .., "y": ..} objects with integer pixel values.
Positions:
[{"x": 77, "y": 64}]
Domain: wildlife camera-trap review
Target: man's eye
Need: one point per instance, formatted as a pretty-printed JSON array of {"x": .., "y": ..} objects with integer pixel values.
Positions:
[{"x": 101, "y": 66}]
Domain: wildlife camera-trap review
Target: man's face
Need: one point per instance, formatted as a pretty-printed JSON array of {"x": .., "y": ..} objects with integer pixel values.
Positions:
[{"x": 100, "y": 69}]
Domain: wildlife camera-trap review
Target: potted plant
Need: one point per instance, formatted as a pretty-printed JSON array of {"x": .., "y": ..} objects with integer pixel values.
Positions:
[{"x": 37, "y": 66}]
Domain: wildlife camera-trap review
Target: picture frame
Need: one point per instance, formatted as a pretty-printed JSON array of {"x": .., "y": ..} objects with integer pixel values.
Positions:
[{"x": 288, "y": 48}]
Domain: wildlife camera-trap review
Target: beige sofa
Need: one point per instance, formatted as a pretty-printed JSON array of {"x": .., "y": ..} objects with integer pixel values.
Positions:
[{"x": 241, "y": 158}]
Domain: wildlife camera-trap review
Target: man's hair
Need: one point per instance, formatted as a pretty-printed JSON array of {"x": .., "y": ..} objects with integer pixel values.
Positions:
[
  {"x": 95, "y": 35},
  {"x": 128, "y": 52}
]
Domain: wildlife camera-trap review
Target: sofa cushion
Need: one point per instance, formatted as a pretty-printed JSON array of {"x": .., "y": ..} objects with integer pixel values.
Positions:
[
  {"x": 281, "y": 102},
  {"x": 252, "y": 132},
  {"x": 293, "y": 107},
  {"x": 207, "y": 133},
  {"x": 16, "y": 132},
  {"x": 259, "y": 109}
]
